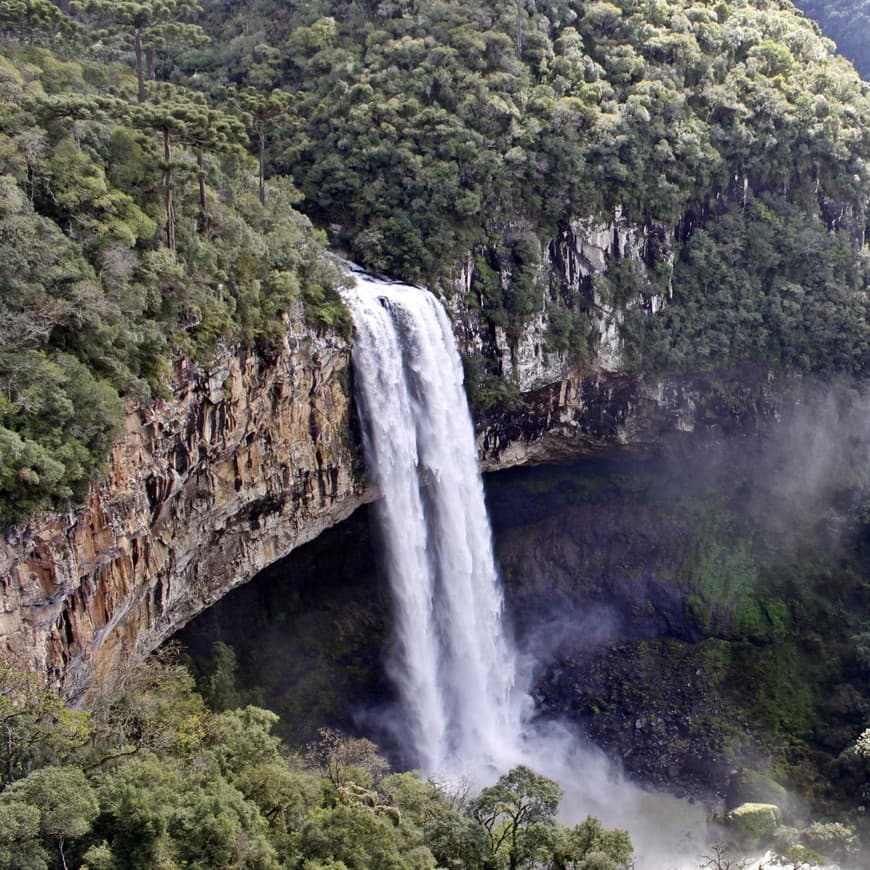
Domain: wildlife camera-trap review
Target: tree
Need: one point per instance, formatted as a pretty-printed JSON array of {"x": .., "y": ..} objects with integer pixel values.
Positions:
[
  {"x": 261, "y": 110},
  {"x": 172, "y": 116},
  {"x": 455, "y": 840},
  {"x": 219, "y": 686},
  {"x": 66, "y": 803},
  {"x": 214, "y": 131},
  {"x": 143, "y": 25},
  {"x": 518, "y": 814},
  {"x": 215, "y": 826},
  {"x": 139, "y": 800},
  {"x": 20, "y": 844},
  {"x": 184, "y": 119},
  {"x": 720, "y": 859},
  {"x": 243, "y": 738},
  {"x": 591, "y": 846},
  {"x": 283, "y": 795},
  {"x": 36, "y": 21},
  {"x": 343, "y": 759},
  {"x": 361, "y": 839},
  {"x": 36, "y": 727}
]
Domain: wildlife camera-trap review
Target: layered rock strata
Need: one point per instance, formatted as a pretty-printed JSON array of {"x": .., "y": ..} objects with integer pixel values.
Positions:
[
  {"x": 586, "y": 412},
  {"x": 244, "y": 462}
]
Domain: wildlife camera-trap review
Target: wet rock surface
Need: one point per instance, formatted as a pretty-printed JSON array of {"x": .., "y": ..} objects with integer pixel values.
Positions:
[{"x": 656, "y": 708}]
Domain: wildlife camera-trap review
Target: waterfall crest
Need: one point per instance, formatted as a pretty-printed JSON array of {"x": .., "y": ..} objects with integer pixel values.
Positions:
[{"x": 454, "y": 667}]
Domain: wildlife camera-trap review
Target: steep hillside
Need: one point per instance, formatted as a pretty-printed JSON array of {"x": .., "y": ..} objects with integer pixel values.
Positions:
[
  {"x": 432, "y": 135},
  {"x": 132, "y": 233},
  {"x": 710, "y": 160},
  {"x": 847, "y": 22}
]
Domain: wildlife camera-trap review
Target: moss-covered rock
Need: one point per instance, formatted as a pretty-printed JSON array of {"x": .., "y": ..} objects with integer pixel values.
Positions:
[
  {"x": 834, "y": 840},
  {"x": 753, "y": 824}
]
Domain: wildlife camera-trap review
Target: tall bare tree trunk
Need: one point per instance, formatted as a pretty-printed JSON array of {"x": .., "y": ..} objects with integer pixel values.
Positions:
[
  {"x": 262, "y": 140},
  {"x": 519, "y": 27},
  {"x": 203, "y": 212},
  {"x": 167, "y": 185},
  {"x": 140, "y": 73}
]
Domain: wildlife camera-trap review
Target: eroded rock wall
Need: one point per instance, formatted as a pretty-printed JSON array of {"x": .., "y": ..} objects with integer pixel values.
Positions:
[
  {"x": 248, "y": 459},
  {"x": 570, "y": 269},
  {"x": 590, "y": 413},
  {"x": 245, "y": 461}
]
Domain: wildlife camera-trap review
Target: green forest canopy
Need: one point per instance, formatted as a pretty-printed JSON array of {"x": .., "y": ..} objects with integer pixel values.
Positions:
[
  {"x": 155, "y": 158},
  {"x": 847, "y": 22},
  {"x": 150, "y": 777}
]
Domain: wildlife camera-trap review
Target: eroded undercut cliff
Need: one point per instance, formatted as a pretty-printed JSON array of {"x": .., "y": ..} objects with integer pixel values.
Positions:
[
  {"x": 249, "y": 457},
  {"x": 242, "y": 463}
]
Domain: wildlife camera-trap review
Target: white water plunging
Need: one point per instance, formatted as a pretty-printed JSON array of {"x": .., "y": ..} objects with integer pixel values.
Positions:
[
  {"x": 453, "y": 665},
  {"x": 455, "y": 669}
]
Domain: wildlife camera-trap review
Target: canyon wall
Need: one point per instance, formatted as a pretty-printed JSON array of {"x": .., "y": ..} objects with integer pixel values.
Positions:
[
  {"x": 243, "y": 462},
  {"x": 248, "y": 458}
]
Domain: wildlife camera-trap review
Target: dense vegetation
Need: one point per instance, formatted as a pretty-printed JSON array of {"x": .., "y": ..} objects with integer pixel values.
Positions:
[
  {"x": 150, "y": 777},
  {"x": 132, "y": 229},
  {"x": 423, "y": 130},
  {"x": 847, "y": 22},
  {"x": 151, "y": 153}
]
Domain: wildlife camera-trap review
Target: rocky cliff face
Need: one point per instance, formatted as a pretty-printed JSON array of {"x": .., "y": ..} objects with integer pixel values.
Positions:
[
  {"x": 569, "y": 269},
  {"x": 587, "y": 414},
  {"x": 245, "y": 461},
  {"x": 248, "y": 459}
]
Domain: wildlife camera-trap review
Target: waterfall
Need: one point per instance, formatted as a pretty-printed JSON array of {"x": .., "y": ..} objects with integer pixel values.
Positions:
[{"x": 453, "y": 665}]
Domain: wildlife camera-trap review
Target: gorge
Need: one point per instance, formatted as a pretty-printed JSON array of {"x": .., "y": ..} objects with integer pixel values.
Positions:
[
  {"x": 251, "y": 457},
  {"x": 609, "y": 589},
  {"x": 647, "y": 222},
  {"x": 604, "y": 604}
]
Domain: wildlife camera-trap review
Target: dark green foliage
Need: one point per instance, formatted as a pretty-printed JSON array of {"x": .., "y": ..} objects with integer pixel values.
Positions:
[
  {"x": 135, "y": 226},
  {"x": 518, "y": 815},
  {"x": 163, "y": 781},
  {"x": 142, "y": 26},
  {"x": 568, "y": 330},
  {"x": 38, "y": 728},
  {"x": 66, "y": 802},
  {"x": 420, "y": 131},
  {"x": 129, "y": 232},
  {"x": 35, "y": 21},
  {"x": 485, "y": 387},
  {"x": 591, "y": 846},
  {"x": 762, "y": 282}
]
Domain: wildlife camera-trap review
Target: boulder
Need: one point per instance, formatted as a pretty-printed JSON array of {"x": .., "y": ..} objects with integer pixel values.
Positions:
[
  {"x": 750, "y": 786},
  {"x": 753, "y": 824}
]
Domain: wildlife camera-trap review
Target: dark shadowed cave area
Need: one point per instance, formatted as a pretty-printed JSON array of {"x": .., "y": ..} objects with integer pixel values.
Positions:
[
  {"x": 690, "y": 612},
  {"x": 308, "y": 634}
]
